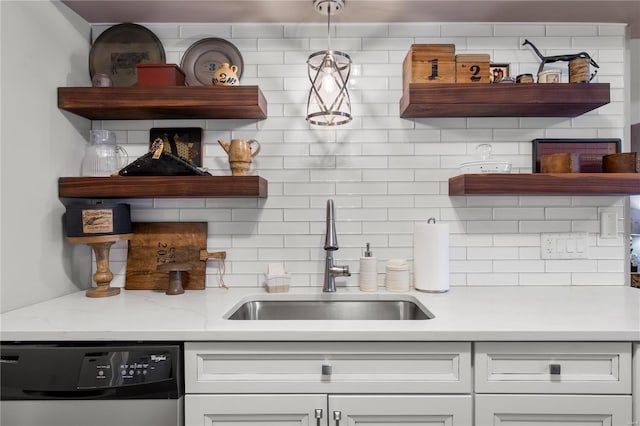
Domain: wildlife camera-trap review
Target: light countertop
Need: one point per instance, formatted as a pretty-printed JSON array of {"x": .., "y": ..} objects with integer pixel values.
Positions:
[{"x": 462, "y": 314}]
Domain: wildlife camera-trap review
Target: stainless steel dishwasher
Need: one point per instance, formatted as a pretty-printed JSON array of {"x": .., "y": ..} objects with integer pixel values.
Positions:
[{"x": 67, "y": 384}]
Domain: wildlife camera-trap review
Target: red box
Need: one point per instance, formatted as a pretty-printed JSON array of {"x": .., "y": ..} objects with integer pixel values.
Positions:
[{"x": 159, "y": 75}]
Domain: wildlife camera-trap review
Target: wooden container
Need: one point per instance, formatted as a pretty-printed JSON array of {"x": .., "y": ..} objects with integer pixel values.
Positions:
[
  {"x": 624, "y": 162},
  {"x": 92, "y": 220},
  {"x": 472, "y": 68},
  {"x": 579, "y": 70},
  {"x": 562, "y": 162},
  {"x": 159, "y": 75},
  {"x": 429, "y": 63}
]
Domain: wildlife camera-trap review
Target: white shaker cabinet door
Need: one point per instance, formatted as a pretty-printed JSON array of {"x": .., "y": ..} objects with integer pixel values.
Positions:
[
  {"x": 255, "y": 410},
  {"x": 400, "y": 410},
  {"x": 556, "y": 410},
  {"x": 636, "y": 384}
]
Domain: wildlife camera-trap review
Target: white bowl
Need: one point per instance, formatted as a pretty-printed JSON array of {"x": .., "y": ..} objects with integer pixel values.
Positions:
[{"x": 487, "y": 166}]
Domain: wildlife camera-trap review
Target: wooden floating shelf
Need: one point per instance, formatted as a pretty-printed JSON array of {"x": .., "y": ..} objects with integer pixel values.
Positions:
[
  {"x": 162, "y": 186},
  {"x": 502, "y": 100},
  {"x": 545, "y": 184},
  {"x": 175, "y": 102}
]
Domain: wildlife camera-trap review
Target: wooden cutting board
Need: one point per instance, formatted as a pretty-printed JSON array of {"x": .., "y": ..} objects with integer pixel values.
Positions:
[{"x": 157, "y": 243}]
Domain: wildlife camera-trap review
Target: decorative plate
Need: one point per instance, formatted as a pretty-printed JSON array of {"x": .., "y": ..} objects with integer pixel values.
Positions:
[
  {"x": 205, "y": 56},
  {"x": 118, "y": 50}
]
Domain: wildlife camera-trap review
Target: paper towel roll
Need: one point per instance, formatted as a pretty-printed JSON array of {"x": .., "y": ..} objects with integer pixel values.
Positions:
[{"x": 431, "y": 257}]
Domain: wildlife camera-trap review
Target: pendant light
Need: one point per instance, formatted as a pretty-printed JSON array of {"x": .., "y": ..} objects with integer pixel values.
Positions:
[{"x": 329, "y": 103}]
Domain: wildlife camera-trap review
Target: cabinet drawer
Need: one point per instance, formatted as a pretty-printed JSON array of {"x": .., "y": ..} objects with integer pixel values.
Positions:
[
  {"x": 538, "y": 367},
  {"x": 556, "y": 410},
  {"x": 372, "y": 367}
]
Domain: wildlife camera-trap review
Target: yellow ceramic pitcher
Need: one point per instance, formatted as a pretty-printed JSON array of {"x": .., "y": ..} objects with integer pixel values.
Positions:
[{"x": 240, "y": 154}]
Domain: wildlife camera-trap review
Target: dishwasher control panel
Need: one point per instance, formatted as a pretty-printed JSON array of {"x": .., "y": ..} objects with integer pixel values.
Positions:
[{"x": 123, "y": 368}]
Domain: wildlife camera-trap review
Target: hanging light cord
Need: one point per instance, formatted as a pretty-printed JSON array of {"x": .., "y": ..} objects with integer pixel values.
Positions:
[{"x": 329, "y": 28}]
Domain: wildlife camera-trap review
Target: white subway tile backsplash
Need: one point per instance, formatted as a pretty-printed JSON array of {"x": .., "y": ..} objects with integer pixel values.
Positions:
[
  {"x": 466, "y": 213},
  {"x": 612, "y": 56},
  {"x": 413, "y": 188},
  {"x": 492, "y": 227},
  {"x": 529, "y": 253},
  {"x": 570, "y": 265},
  {"x": 546, "y": 278},
  {"x": 362, "y": 30},
  {"x": 612, "y": 29},
  {"x": 470, "y": 30},
  {"x": 576, "y": 213},
  {"x": 497, "y": 279},
  {"x": 530, "y": 213},
  {"x": 517, "y": 240},
  {"x": 199, "y": 31},
  {"x": 489, "y": 253},
  {"x": 518, "y": 29},
  {"x": 590, "y": 43},
  {"x": 572, "y": 30},
  {"x": 414, "y": 30},
  {"x": 255, "y": 30},
  {"x": 390, "y": 43},
  {"x": 532, "y": 226},
  {"x": 341, "y": 44},
  {"x": 155, "y": 215},
  {"x": 519, "y": 266},
  {"x": 600, "y": 278},
  {"x": 471, "y": 266},
  {"x": 370, "y": 162},
  {"x": 483, "y": 44},
  {"x": 283, "y": 228},
  {"x": 386, "y": 173},
  {"x": 466, "y": 135}
]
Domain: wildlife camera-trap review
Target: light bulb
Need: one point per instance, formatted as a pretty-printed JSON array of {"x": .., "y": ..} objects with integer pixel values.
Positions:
[{"x": 328, "y": 85}]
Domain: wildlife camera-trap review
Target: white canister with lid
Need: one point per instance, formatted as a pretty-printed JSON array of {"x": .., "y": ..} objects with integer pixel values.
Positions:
[{"x": 397, "y": 275}]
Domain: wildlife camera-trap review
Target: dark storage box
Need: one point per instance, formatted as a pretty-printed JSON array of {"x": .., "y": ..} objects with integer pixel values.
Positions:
[
  {"x": 159, "y": 75},
  {"x": 93, "y": 220}
]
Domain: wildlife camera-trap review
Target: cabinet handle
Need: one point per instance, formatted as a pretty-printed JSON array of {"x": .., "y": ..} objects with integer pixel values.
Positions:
[
  {"x": 318, "y": 416},
  {"x": 554, "y": 369},
  {"x": 337, "y": 416},
  {"x": 326, "y": 369}
]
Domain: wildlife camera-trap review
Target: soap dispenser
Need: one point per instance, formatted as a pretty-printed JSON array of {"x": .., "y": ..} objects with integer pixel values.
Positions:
[{"x": 368, "y": 279}]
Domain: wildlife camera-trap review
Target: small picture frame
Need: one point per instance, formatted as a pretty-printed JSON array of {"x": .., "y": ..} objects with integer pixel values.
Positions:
[
  {"x": 185, "y": 142},
  {"x": 498, "y": 71}
]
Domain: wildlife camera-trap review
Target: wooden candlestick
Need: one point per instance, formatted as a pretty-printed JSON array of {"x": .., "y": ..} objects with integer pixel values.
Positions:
[
  {"x": 175, "y": 270},
  {"x": 101, "y": 245}
]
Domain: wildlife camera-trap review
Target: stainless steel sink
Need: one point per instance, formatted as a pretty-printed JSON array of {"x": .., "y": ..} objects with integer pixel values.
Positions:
[{"x": 381, "y": 310}]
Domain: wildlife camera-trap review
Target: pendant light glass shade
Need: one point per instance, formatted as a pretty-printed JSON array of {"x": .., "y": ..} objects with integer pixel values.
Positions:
[
  {"x": 329, "y": 103},
  {"x": 329, "y": 70}
]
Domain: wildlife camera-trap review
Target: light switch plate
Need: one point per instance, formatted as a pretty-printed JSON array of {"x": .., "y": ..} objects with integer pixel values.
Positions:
[
  {"x": 573, "y": 245},
  {"x": 608, "y": 225}
]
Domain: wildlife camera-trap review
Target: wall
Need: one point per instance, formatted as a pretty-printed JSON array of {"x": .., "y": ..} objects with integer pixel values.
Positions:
[
  {"x": 634, "y": 61},
  {"x": 44, "y": 46},
  {"x": 383, "y": 172}
]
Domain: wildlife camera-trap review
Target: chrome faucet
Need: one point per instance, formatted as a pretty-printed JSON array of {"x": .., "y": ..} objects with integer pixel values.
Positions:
[{"x": 332, "y": 271}]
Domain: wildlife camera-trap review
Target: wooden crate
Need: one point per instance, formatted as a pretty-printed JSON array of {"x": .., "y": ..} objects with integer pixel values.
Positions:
[
  {"x": 429, "y": 63},
  {"x": 472, "y": 68}
]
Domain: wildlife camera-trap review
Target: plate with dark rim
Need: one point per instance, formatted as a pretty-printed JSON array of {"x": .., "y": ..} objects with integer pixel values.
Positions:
[
  {"x": 118, "y": 50},
  {"x": 205, "y": 56}
]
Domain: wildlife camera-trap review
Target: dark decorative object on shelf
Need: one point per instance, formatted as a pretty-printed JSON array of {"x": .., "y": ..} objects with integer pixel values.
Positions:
[
  {"x": 565, "y": 58},
  {"x": 589, "y": 151},
  {"x": 185, "y": 142}
]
